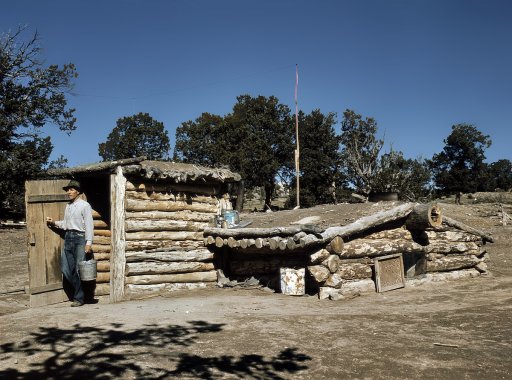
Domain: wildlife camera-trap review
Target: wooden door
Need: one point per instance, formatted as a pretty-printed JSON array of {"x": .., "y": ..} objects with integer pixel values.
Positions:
[{"x": 45, "y": 198}]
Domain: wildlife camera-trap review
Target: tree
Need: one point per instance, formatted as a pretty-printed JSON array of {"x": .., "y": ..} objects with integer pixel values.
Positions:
[
  {"x": 136, "y": 136},
  {"x": 500, "y": 176},
  {"x": 31, "y": 96},
  {"x": 408, "y": 177},
  {"x": 360, "y": 150},
  {"x": 196, "y": 141},
  {"x": 257, "y": 142},
  {"x": 319, "y": 159},
  {"x": 460, "y": 166}
]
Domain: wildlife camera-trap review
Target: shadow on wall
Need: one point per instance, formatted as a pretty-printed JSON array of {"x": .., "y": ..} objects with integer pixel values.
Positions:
[{"x": 151, "y": 352}]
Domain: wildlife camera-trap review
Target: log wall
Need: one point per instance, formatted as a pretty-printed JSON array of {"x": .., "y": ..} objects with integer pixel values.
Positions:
[
  {"x": 341, "y": 265},
  {"x": 164, "y": 247},
  {"x": 101, "y": 248}
]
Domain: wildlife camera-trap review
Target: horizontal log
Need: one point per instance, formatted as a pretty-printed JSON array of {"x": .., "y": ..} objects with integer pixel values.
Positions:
[
  {"x": 170, "y": 197},
  {"x": 102, "y": 289},
  {"x": 101, "y": 256},
  {"x": 102, "y": 240},
  {"x": 372, "y": 247},
  {"x": 442, "y": 276},
  {"x": 134, "y": 291},
  {"x": 395, "y": 233},
  {"x": 163, "y": 225},
  {"x": 139, "y": 245},
  {"x": 455, "y": 236},
  {"x": 139, "y": 268},
  {"x": 271, "y": 265},
  {"x": 100, "y": 247},
  {"x": 190, "y": 255},
  {"x": 452, "y": 262},
  {"x": 461, "y": 226},
  {"x": 176, "y": 215},
  {"x": 100, "y": 225},
  {"x": 254, "y": 232},
  {"x": 96, "y": 215},
  {"x": 105, "y": 233},
  {"x": 139, "y": 205},
  {"x": 102, "y": 277},
  {"x": 174, "y": 188},
  {"x": 164, "y": 235},
  {"x": 354, "y": 271},
  {"x": 360, "y": 225},
  {"x": 103, "y": 266},
  {"x": 172, "y": 278},
  {"x": 469, "y": 248}
]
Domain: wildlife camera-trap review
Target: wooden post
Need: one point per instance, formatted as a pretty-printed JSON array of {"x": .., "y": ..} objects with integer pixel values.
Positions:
[
  {"x": 297, "y": 151},
  {"x": 118, "y": 244},
  {"x": 240, "y": 196}
]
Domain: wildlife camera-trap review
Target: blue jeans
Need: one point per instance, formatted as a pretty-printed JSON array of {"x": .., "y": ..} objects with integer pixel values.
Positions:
[{"x": 73, "y": 253}]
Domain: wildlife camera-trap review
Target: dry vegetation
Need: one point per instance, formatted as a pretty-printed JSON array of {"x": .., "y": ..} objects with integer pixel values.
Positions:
[{"x": 452, "y": 330}]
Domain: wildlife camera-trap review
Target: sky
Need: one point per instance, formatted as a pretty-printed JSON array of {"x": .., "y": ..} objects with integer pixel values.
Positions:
[{"x": 418, "y": 67}]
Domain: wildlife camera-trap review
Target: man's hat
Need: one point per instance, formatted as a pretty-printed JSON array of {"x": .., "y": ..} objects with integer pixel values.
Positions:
[{"x": 73, "y": 184}]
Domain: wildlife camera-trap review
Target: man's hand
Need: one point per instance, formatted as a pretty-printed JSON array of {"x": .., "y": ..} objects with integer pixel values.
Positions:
[
  {"x": 50, "y": 221},
  {"x": 88, "y": 248}
]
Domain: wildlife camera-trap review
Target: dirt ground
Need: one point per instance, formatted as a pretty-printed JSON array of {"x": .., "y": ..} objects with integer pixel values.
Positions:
[{"x": 452, "y": 330}]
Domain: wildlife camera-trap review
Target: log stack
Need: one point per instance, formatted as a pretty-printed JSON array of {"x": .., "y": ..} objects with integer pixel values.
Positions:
[
  {"x": 101, "y": 248},
  {"x": 340, "y": 260},
  {"x": 164, "y": 237}
]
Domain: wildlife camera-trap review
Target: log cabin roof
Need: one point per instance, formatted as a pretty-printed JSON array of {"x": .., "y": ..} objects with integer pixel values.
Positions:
[
  {"x": 320, "y": 234},
  {"x": 153, "y": 170}
]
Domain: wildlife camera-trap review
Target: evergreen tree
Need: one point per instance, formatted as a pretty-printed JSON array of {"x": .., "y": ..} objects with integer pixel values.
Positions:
[
  {"x": 31, "y": 96},
  {"x": 320, "y": 174},
  {"x": 136, "y": 136},
  {"x": 460, "y": 166}
]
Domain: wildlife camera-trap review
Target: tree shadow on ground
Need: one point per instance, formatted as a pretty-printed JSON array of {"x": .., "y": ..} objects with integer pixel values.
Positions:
[{"x": 151, "y": 352}]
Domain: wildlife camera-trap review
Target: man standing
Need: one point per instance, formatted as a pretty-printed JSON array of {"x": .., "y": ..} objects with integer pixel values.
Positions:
[{"x": 78, "y": 225}]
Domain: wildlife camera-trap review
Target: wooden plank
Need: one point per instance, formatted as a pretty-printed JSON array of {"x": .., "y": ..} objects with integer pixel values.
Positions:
[
  {"x": 47, "y": 198},
  {"x": 45, "y": 288},
  {"x": 48, "y": 298},
  {"x": 117, "y": 258},
  {"x": 53, "y": 243}
]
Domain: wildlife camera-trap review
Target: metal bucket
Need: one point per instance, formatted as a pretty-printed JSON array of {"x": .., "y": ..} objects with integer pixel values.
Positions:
[{"x": 87, "y": 270}]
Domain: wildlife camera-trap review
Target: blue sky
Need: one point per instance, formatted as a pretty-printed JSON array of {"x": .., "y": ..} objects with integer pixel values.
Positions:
[{"x": 417, "y": 67}]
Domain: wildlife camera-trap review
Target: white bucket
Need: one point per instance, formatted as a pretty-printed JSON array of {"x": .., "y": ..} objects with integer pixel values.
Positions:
[
  {"x": 87, "y": 270},
  {"x": 293, "y": 281}
]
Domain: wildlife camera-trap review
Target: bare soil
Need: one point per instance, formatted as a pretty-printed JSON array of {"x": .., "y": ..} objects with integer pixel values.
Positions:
[{"x": 451, "y": 330}]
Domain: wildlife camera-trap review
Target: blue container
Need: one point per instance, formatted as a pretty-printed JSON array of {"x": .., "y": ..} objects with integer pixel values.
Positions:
[{"x": 231, "y": 216}]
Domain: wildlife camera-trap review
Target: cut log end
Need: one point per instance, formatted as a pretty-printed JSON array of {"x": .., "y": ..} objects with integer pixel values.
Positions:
[{"x": 424, "y": 216}]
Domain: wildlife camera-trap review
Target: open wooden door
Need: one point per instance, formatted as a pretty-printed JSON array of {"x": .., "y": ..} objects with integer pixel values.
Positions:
[{"x": 45, "y": 198}]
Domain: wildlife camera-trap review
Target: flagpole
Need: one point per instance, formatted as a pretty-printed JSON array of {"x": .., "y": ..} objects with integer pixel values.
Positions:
[{"x": 297, "y": 133}]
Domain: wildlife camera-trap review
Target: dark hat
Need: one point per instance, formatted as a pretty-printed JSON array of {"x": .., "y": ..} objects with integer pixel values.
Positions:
[{"x": 73, "y": 184}]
